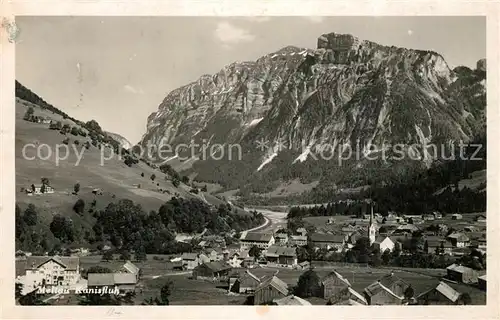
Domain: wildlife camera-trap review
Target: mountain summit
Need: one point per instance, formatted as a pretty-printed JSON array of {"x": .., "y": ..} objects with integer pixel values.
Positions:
[{"x": 346, "y": 90}]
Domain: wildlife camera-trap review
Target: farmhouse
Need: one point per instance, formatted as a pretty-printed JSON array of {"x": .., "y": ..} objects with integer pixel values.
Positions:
[
  {"x": 328, "y": 241},
  {"x": 428, "y": 217},
  {"x": 383, "y": 243},
  {"x": 190, "y": 261},
  {"x": 261, "y": 240},
  {"x": 212, "y": 270},
  {"x": 442, "y": 294},
  {"x": 246, "y": 282},
  {"x": 125, "y": 282},
  {"x": 480, "y": 218},
  {"x": 437, "y": 215},
  {"x": 456, "y": 216},
  {"x": 283, "y": 256},
  {"x": 291, "y": 300},
  {"x": 333, "y": 283},
  {"x": 459, "y": 240},
  {"x": 304, "y": 265},
  {"x": 56, "y": 271},
  {"x": 129, "y": 267},
  {"x": 461, "y": 274},
  {"x": 406, "y": 229},
  {"x": 270, "y": 289},
  {"x": 298, "y": 241}
]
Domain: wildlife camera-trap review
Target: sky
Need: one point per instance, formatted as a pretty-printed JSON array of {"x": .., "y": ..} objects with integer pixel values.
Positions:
[{"x": 117, "y": 70}]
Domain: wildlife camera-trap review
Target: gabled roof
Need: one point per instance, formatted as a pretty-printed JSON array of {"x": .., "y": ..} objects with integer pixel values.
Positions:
[
  {"x": 447, "y": 291},
  {"x": 124, "y": 278},
  {"x": 483, "y": 277},
  {"x": 281, "y": 251},
  {"x": 459, "y": 236},
  {"x": 459, "y": 268},
  {"x": 216, "y": 266},
  {"x": 281, "y": 235},
  {"x": 322, "y": 237},
  {"x": 377, "y": 287},
  {"x": 276, "y": 283},
  {"x": 390, "y": 279},
  {"x": 130, "y": 267},
  {"x": 357, "y": 295},
  {"x": 257, "y": 237},
  {"x": 69, "y": 263},
  {"x": 189, "y": 256},
  {"x": 303, "y": 238},
  {"x": 291, "y": 300},
  {"x": 380, "y": 239},
  {"x": 331, "y": 277},
  {"x": 101, "y": 279}
]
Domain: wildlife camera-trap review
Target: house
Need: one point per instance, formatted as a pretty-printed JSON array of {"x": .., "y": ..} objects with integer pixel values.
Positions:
[
  {"x": 129, "y": 267},
  {"x": 456, "y": 216},
  {"x": 333, "y": 283},
  {"x": 281, "y": 238},
  {"x": 283, "y": 256},
  {"x": 461, "y": 273},
  {"x": 212, "y": 270},
  {"x": 459, "y": 240},
  {"x": 437, "y": 215},
  {"x": 304, "y": 265},
  {"x": 216, "y": 254},
  {"x": 470, "y": 229},
  {"x": 330, "y": 221},
  {"x": 97, "y": 191},
  {"x": 298, "y": 241},
  {"x": 388, "y": 290},
  {"x": 480, "y": 218},
  {"x": 190, "y": 261},
  {"x": 291, "y": 300},
  {"x": 37, "y": 189},
  {"x": 52, "y": 271},
  {"x": 258, "y": 239},
  {"x": 378, "y": 294},
  {"x": 270, "y": 289},
  {"x": 415, "y": 220},
  {"x": 124, "y": 282},
  {"x": 383, "y": 243},
  {"x": 302, "y": 231},
  {"x": 481, "y": 282},
  {"x": 203, "y": 258},
  {"x": 406, "y": 229},
  {"x": 246, "y": 283},
  {"x": 442, "y": 294},
  {"x": 437, "y": 244},
  {"x": 328, "y": 241},
  {"x": 348, "y": 296}
]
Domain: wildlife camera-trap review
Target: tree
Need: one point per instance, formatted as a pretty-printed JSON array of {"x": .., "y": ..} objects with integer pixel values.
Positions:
[
  {"x": 465, "y": 298},
  {"x": 62, "y": 228},
  {"x": 308, "y": 285},
  {"x": 255, "y": 252},
  {"x": 79, "y": 206},
  {"x": 66, "y": 141},
  {"x": 386, "y": 257},
  {"x": 164, "y": 299},
  {"x": 426, "y": 246},
  {"x": 107, "y": 255},
  {"x": 175, "y": 182},
  {"x": 76, "y": 188},
  {"x": 29, "y": 113},
  {"x": 185, "y": 179},
  {"x": 153, "y": 177},
  {"x": 204, "y": 188},
  {"x": 125, "y": 255},
  {"x": 45, "y": 181},
  {"x": 74, "y": 131},
  {"x": 142, "y": 174},
  {"x": 140, "y": 254},
  {"x": 43, "y": 188},
  {"x": 30, "y": 215}
]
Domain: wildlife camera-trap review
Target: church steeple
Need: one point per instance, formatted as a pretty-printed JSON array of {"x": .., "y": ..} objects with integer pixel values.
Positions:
[{"x": 371, "y": 227}]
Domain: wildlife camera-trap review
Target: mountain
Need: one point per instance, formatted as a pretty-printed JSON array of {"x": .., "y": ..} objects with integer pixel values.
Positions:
[
  {"x": 124, "y": 143},
  {"x": 298, "y": 101}
]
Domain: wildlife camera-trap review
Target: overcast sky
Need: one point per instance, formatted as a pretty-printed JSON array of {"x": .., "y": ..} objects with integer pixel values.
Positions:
[{"x": 117, "y": 70}]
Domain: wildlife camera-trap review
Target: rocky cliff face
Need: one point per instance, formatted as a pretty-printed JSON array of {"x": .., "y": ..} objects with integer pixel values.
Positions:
[
  {"x": 347, "y": 91},
  {"x": 124, "y": 143}
]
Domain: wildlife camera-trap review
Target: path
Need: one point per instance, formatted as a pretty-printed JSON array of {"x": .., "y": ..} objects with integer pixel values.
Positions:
[{"x": 275, "y": 220}]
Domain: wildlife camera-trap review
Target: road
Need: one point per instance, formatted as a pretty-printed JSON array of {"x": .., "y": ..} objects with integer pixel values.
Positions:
[{"x": 275, "y": 220}]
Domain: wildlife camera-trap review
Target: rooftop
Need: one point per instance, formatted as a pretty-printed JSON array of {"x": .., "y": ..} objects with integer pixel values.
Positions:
[
  {"x": 291, "y": 301},
  {"x": 323, "y": 237},
  {"x": 257, "y": 237},
  {"x": 281, "y": 251},
  {"x": 69, "y": 263}
]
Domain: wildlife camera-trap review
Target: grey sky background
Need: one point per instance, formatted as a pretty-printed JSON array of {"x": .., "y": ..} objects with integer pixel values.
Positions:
[{"x": 117, "y": 70}]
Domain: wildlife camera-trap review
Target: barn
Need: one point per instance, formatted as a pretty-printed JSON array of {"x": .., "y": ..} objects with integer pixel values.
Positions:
[
  {"x": 442, "y": 294},
  {"x": 212, "y": 270},
  {"x": 461, "y": 273},
  {"x": 246, "y": 282},
  {"x": 270, "y": 289},
  {"x": 333, "y": 283}
]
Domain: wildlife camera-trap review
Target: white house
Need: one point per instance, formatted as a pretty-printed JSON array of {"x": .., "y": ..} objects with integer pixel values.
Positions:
[
  {"x": 38, "y": 190},
  {"x": 52, "y": 271},
  {"x": 384, "y": 243}
]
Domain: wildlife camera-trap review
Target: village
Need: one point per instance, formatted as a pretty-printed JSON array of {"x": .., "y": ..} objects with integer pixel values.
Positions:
[{"x": 270, "y": 266}]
